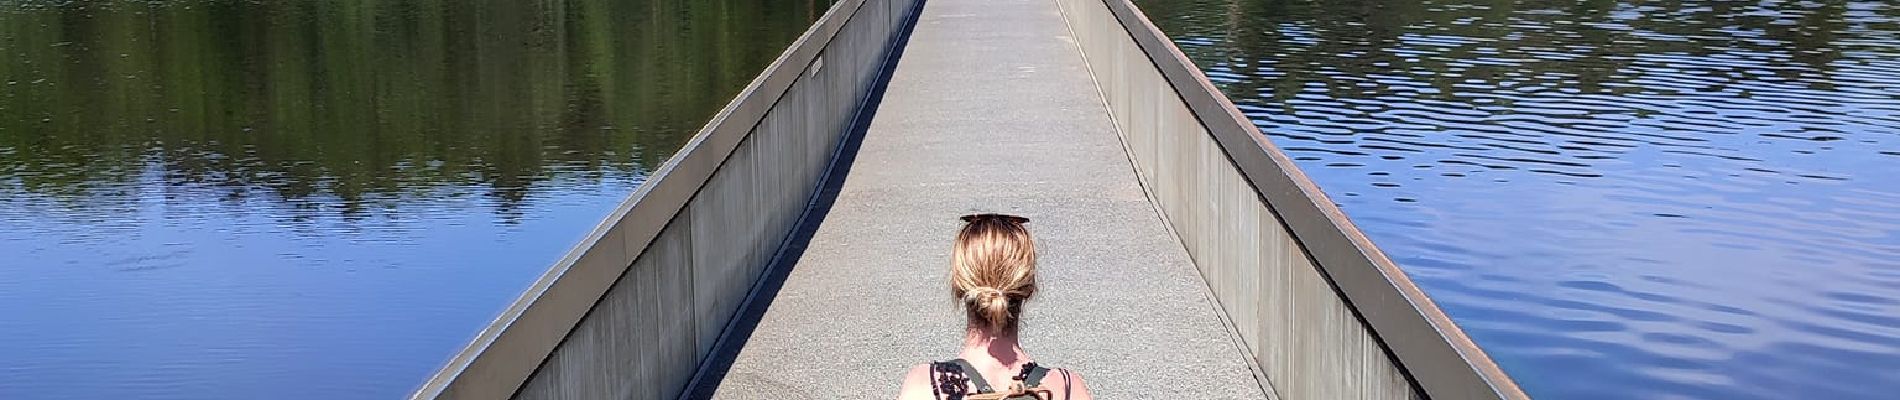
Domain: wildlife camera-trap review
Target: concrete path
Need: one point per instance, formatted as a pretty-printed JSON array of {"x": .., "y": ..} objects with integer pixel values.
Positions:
[{"x": 989, "y": 109}]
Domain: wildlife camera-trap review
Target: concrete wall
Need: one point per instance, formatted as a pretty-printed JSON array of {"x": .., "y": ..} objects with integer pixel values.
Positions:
[
  {"x": 634, "y": 309},
  {"x": 1324, "y": 313}
]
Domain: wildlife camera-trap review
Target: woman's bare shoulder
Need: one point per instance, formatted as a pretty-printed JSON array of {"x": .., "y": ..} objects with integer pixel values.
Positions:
[
  {"x": 1077, "y": 389},
  {"x": 916, "y": 384}
]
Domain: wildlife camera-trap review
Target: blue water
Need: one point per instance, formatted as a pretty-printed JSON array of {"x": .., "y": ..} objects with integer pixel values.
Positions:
[
  {"x": 322, "y": 199},
  {"x": 1615, "y": 199}
]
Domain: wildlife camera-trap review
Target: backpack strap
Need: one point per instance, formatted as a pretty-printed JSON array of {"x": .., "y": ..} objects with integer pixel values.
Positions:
[
  {"x": 1032, "y": 375},
  {"x": 973, "y": 376},
  {"x": 957, "y": 379}
]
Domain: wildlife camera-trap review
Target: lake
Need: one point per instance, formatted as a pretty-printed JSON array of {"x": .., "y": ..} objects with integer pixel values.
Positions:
[
  {"x": 323, "y": 199},
  {"x": 1615, "y": 199}
]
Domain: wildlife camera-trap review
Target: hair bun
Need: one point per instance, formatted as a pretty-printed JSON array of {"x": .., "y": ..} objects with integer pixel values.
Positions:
[{"x": 990, "y": 303}]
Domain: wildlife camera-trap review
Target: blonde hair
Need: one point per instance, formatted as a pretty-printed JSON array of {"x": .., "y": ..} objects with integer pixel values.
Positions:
[{"x": 993, "y": 270}]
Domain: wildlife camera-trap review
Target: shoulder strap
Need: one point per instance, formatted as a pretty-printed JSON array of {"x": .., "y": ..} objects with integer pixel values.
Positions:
[
  {"x": 1065, "y": 384},
  {"x": 934, "y": 392},
  {"x": 947, "y": 381},
  {"x": 976, "y": 377},
  {"x": 1032, "y": 375}
]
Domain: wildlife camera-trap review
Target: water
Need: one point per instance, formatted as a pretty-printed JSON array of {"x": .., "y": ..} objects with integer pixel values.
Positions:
[
  {"x": 1616, "y": 199},
  {"x": 322, "y": 199}
]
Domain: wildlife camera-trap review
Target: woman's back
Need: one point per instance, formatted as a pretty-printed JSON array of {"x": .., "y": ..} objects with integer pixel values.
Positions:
[
  {"x": 962, "y": 379},
  {"x": 992, "y": 275}
]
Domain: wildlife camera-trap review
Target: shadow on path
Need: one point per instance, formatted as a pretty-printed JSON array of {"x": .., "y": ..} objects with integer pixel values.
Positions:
[{"x": 739, "y": 332}]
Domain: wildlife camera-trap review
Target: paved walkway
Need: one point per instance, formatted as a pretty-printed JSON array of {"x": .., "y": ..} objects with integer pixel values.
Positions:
[{"x": 990, "y": 109}]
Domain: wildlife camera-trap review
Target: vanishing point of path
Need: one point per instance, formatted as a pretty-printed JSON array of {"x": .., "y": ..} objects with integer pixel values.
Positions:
[{"x": 990, "y": 108}]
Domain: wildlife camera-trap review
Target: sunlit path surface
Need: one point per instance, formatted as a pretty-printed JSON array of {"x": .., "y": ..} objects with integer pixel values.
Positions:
[{"x": 997, "y": 112}]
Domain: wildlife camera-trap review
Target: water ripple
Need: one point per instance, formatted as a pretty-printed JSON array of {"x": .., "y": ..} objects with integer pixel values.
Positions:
[
  {"x": 322, "y": 199},
  {"x": 1617, "y": 199}
]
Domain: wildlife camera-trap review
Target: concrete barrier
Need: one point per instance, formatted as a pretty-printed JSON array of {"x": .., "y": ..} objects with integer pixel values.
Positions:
[
  {"x": 1324, "y": 313},
  {"x": 633, "y": 310}
]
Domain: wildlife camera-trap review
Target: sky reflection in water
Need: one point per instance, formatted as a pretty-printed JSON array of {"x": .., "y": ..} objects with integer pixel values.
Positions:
[{"x": 1616, "y": 199}]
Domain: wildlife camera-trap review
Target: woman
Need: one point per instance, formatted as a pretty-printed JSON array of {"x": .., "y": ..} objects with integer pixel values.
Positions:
[{"x": 992, "y": 273}]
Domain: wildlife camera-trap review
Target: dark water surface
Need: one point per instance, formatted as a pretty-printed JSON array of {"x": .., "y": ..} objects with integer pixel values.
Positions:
[
  {"x": 1616, "y": 199},
  {"x": 322, "y": 199}
]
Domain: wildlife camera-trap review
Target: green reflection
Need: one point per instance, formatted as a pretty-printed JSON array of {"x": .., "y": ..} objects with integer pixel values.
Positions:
[
  {"x": 365, "y": 99},
  {"x": 1583, "y": 45}
]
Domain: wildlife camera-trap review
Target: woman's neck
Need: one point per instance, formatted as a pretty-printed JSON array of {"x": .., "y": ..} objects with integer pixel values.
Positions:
[{"x": 1000, "y": 347}]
